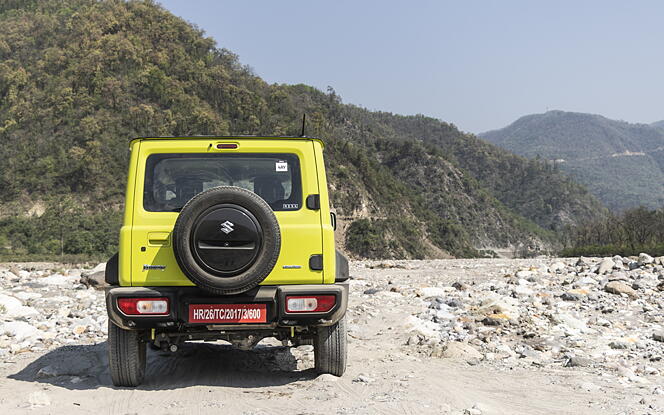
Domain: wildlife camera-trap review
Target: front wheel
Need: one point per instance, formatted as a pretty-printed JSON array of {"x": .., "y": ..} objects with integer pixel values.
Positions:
[
  {"x": 330, "y": 348},
  {"x": 126, "y": 356}
]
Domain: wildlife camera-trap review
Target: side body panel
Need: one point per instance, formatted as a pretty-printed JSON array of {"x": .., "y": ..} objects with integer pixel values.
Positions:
[
  {"x": 148, "y": 238},
  {"x": 329, "y": 254},
  {"x": 125, "y": 251}
]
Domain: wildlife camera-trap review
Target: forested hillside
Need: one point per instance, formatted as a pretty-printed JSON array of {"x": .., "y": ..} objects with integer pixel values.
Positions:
[
  {"x": 622, "y": 164},
  {"x": 79, "y": 78}
]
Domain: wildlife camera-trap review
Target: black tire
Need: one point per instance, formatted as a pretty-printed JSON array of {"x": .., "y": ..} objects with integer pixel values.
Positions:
[
  {"x": 126, "y": 356},
  {"x": 330, "y": 348},
  {"x": 255, "y": 271}
]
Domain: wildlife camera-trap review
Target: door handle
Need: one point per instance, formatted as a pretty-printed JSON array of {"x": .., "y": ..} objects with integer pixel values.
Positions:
[{"x": 159, "y": 238}]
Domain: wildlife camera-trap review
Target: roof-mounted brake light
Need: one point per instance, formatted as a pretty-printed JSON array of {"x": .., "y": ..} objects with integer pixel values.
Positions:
[{"x": 226, "y": 146}]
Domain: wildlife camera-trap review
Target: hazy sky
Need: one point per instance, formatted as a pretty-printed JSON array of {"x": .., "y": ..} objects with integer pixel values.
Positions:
[{"x": 477, "y": 64}]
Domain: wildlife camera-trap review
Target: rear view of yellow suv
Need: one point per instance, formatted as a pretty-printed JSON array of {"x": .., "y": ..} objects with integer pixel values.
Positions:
[{"x": 226, "y": 238}]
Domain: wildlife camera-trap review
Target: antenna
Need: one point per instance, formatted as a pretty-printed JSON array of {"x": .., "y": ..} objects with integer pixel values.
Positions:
[{"x": 304, "y": 123}]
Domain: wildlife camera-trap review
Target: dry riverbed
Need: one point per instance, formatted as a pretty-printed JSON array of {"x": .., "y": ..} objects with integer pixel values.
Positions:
[{"x": 499, "y": 336}]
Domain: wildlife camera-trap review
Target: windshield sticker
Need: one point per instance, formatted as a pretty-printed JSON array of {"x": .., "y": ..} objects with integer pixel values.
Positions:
[
  {"x": 291, "y": 206},
  {"x": 281, "y": 166}
]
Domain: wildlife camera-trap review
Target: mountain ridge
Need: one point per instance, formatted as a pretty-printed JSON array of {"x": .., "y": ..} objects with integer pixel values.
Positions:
[
  {"x": 658, "y": 124},
  {"x": 80, "y": 77},
  {"x": 621, "y": 163}
]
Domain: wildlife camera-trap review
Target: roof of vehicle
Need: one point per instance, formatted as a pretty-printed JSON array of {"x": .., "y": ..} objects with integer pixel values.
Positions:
[{"x": 233, "y": 137}]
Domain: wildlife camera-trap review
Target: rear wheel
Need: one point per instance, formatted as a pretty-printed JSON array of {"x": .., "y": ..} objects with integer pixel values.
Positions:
[
  {"x": 126, "y": 356},
  {"x": 330, "y": 348}
]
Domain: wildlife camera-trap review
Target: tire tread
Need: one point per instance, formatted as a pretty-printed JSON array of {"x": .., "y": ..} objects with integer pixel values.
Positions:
[
  {"x": 127, "y": 356},
  {"x": 331, "y": 348}
]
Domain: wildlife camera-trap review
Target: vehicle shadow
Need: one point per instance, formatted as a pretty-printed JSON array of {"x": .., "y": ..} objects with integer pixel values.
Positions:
[{"x": 82, "y": 367}]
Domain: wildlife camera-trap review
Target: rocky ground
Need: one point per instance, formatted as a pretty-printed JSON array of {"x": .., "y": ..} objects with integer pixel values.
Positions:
[{"x": 499, "y": 336}]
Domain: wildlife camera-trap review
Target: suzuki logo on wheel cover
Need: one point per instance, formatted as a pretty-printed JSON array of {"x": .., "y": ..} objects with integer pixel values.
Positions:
[{"x": 227, "y": 227}]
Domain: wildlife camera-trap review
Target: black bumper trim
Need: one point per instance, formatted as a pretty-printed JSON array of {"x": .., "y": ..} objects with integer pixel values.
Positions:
[
  {"x": 342, "y": 269},
  {"x": 181, "y": 297}
]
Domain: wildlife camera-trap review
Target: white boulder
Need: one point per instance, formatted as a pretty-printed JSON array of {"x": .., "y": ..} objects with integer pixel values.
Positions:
[
  {"x": 19, "y": 330},
  {"x": 14, "y": 308}
]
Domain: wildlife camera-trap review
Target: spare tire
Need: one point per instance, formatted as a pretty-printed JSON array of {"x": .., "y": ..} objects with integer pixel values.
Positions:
[{"x": 226, "y": 240}]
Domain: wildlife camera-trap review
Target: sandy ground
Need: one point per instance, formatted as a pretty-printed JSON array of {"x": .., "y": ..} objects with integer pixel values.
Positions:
[{"x": 384, "y": 376}]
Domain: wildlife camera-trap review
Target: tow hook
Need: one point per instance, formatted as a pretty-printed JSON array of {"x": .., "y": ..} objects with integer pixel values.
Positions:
[
  {"x": 163, "y": 342},
  {"x": 166, "y": 346},
  {"x": 245, "y": 342}
]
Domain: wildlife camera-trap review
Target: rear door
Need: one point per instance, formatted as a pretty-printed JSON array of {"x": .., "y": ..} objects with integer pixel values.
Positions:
[{"x": 159, "y": 191}]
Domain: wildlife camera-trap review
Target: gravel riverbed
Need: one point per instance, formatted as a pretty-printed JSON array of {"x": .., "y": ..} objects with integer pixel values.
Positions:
[{"x": 489, "y": 336}]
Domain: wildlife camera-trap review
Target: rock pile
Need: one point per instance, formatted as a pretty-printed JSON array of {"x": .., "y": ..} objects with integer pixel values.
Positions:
[
  {"x": 44, "y": 307},
  {"x": 588, "y": 312}
]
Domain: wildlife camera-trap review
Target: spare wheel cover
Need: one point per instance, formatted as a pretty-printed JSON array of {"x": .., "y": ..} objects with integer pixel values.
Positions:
[{"x": 226, "y": 240}]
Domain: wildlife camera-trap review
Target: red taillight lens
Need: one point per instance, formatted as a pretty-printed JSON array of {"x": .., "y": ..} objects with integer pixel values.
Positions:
[
  {"x": 309, "y": 303},
  {"x": 228, "y": 146},
  {"x": 143, "y": 306}
]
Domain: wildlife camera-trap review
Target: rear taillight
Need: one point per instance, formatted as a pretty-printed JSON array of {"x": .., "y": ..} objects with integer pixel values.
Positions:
[
  {"x": 309, "y": 303},
  {"x": 143, "y": 306}
]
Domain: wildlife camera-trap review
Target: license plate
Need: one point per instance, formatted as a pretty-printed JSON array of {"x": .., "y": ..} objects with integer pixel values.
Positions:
[{"x": 227, "y": 313}]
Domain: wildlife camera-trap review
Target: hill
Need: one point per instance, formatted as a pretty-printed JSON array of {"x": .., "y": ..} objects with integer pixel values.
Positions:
[
  {"x": 621, "y": 163},
  {"x": 658, "y": 124},
  {"x": 78, "y": 78}
]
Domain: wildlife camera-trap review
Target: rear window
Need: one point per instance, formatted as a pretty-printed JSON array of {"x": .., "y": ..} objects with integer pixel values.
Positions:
[{"x": 172, "y": 179}]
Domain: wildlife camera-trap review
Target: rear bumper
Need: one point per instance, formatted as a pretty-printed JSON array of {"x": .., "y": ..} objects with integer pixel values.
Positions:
[{"x": 181, "y": 297}]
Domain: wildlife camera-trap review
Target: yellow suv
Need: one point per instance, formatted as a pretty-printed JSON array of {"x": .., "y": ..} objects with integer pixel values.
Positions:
[{"x": 226, "y": 238}]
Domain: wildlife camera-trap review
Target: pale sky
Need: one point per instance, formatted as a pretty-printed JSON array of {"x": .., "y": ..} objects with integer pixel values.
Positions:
[{"x": 477, "y": 64}]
